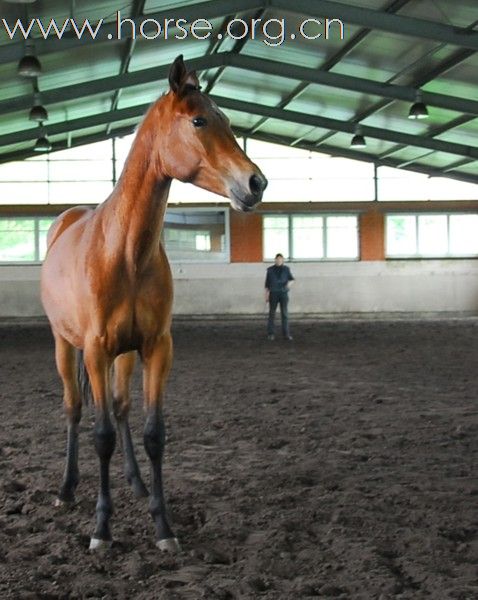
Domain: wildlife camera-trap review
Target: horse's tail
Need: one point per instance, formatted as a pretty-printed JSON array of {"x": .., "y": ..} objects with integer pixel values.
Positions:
[{"x": 83, "y": 379}]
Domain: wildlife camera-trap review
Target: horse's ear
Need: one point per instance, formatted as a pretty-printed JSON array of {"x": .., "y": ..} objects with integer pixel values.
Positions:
[
  {"x": 180, "y": 80},
  {"x": 191, "y": 81},
  {"x": 177, "y": 74}
]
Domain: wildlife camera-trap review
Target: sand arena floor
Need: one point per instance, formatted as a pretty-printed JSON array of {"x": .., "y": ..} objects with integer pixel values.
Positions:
[{"x": 340, "y": 465}]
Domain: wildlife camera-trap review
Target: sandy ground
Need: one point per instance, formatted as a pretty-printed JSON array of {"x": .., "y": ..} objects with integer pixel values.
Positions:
[{"x": 339, "y": 465}]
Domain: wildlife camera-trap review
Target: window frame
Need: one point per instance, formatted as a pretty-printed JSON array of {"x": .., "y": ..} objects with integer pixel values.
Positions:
[
  {"x": 36, "y": 239},
  {"x": 227, "y": 235},
  {"x": 49, "y": 181},
  {"x": 324, "y": 216},
  {"x": 418, "y": 255},
  {"x": 225, "y": 259}
]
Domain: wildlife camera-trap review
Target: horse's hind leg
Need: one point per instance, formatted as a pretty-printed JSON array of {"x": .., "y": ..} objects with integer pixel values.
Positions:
[
  {"x": 123, "y": 369},
  {"x": 157, "y": 363},
  {"x": 65, "y": 356}
]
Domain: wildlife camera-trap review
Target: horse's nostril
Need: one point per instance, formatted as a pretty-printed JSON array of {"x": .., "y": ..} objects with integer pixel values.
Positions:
[{"x": 257, "y": 184}]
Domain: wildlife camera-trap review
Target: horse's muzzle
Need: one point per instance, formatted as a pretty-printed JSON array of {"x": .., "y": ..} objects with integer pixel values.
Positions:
[
  {"x": 257, "y": 185},
  {"x": 244, "y": 200}
]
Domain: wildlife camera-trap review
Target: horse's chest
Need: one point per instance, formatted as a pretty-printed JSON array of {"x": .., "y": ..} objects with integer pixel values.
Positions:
[{"x": 140, "y": 316}]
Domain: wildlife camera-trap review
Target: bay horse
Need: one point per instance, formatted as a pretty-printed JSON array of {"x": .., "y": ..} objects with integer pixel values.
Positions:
[{"x": 107, "y": 289}]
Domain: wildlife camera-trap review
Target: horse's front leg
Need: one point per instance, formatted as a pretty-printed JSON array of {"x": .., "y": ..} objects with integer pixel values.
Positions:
[
  {"x": 65, "y": 356},
  {"x": 123, "y": 369},
  {"x": 98, "y": 365},
  {"x": 157, "y": 364}
]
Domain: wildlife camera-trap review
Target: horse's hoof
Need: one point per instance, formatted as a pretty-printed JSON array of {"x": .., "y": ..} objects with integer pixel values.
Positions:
[
  {"x": 59, "y": 503},
  {"x": 99, "y": 545},
  {"x": 139, "y": 489},
  {"x": 170, "y": 545}
]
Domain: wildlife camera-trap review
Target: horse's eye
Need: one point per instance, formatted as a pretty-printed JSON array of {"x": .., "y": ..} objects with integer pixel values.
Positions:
[{"x": 199, "y": 122}]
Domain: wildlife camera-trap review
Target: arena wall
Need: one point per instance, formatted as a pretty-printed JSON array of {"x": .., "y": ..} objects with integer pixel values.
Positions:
[{"x": 332, "y": 287}]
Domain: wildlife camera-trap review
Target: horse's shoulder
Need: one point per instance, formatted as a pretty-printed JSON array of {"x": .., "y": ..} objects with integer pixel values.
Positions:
[{"x": 65, "y": 220}]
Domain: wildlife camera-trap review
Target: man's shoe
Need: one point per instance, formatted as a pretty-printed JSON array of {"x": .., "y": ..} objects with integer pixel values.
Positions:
[
  {"x": 288, "y": 337},
  {"x": 271, "y": 337}
]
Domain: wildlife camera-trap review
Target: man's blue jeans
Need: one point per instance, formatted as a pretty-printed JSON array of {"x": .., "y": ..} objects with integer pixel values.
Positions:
[{"x": 281, "y": 298}]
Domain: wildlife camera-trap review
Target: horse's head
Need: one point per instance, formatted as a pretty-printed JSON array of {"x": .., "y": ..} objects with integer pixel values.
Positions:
[{"x": 198, "y": 145}]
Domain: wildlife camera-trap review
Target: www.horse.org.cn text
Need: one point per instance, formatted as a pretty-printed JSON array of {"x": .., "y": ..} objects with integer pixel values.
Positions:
[{"x": 273, "y": 31}]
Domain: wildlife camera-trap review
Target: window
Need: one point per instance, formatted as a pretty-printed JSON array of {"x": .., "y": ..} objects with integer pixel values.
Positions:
[
  {"x": 23, "y": 239},
  {"x": 308, "y": 237},
  {"x": 203, "y": 242},
  {"x": 189, "y": 235},
  {"x": 311, "y": 237},
  {"x": 82, "y": 175},
  {"x": 297, "y": 175},
  {"x": 431, "y": 235},
  {"x": 196, "y": 235},
  {"x": 401, "y": 184},
  {"x": 43, "y": 227},
  {"x": 276, "y": 236},
  {"x": 401, "y": 235},
  {"x": 463, "y": 238},
  {"x": 342, "y": 237}
]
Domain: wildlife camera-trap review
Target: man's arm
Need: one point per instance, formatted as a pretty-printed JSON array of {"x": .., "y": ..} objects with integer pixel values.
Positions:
[
  {"x": 290, "y": 279},
  {"x": 267, "y": 287}
]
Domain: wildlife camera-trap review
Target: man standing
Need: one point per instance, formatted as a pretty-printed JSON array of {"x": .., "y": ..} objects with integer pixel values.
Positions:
[{"x": 278, "y": 282}]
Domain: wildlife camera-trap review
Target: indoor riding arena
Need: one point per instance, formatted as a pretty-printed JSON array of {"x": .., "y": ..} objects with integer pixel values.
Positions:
[{"x": 239, "y": 299}]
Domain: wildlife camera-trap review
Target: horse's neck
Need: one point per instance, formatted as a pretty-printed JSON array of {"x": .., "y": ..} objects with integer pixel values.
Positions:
[{"x": 138, "y": 204}]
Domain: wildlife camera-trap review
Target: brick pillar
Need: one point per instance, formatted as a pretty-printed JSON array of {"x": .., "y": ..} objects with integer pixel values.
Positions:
[
  {"x": 372, "y": 236},
  {"x": 246, "y": 237}
]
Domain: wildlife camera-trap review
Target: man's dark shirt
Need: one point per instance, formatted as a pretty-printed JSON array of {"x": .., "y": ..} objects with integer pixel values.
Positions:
[{"x": 277, "y": 278}]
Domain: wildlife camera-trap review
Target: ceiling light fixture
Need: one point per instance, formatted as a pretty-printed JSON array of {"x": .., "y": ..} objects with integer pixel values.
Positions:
[
  {"x": 418, "y": 110},
  {"x": 29, "y": 65},
  {"x": 38, "y": 112},
  {"x": 42, "y": 144},
  {"x": 358, "y": 141}
]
